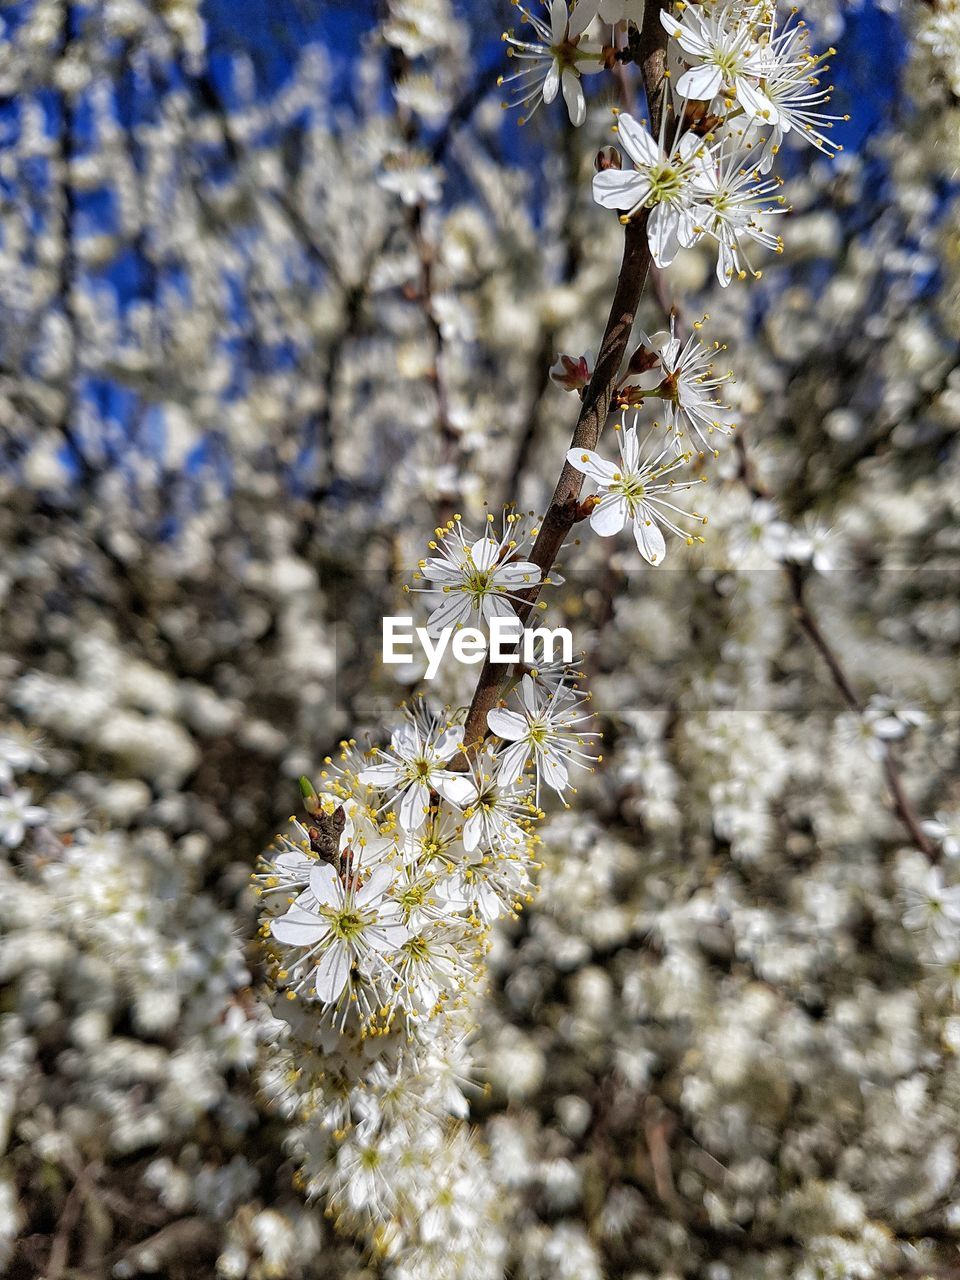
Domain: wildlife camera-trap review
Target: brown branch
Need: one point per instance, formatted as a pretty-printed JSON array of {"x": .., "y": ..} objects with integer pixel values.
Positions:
[{"x": 563, "y": 510}]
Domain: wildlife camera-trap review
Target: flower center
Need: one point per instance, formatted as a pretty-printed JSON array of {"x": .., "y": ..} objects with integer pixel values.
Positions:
[
  {"x": 666, "y": 183},
  {"x": 348, "y": 925},
  {"x": 632, "y": 490},
  {"x": 477, "y": 582}
]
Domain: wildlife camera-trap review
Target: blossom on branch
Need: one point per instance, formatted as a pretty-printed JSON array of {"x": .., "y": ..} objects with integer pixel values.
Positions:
[
  {"x": 557, "y": 59},
  {"x": 637, "y": 489}
]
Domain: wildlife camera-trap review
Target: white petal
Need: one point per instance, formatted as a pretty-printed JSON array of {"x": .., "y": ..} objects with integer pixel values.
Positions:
[
  {"x": 413, "y": 806},
  {"x": 689, "y": 40},
  {"x": 386, "y": 937},
  {"x": 630, "y": 447},
  {"x": 637, "y": 142},
  {"x": 518, "y": 573},
  {"x": 650, "y": 541},
  {"x": 374, "y": 888},
  {"x": 554, "y": 770},
  {"x": 506, "y": 724},
  {"x": 511, "y": 763},
  {"x": 484, "y": 553},
  {"x": 441, "y": 571},
  {"x": 454, "y": 608},
  {"x": 573, "y": 97},
  {"x": 592, "y": 465},
  {"x": 459, "y": 790},
  {"x": 580, "y": 19},
  {"x": 495, "y": 606},
  {"x": 299, "y": 928},
  {"x": 325, "y": 885},
  {"x": 528, "y": 695},
  {"x": 701, "y": 83},
  {"x": 449, "y": 743},
  {"x": 405, "y": 740},
  {"x": 609, "y": 515},
  {"x": 551, "y": 82},
  {"x": 379, "y": 775},
  {"x": 332, "y": 973},
  {"x": 620, "y": 188},
  {"x": 755, "y": 102},
  {"x": 662, "y": 228},
  {"x": 472, "y": 831},
  {"x": 559, "y": 16}
]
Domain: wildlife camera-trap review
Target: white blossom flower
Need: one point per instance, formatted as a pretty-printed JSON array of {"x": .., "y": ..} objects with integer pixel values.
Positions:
[
  {"x": 793, "y": 95},
  {"x": 762, "y": 531},
  {"x": 721, "y": 43},
  {"x": 636, "y": 489},
  {"x": 945, "y": 829},
  {"x": 20, "y": 750},
  {"x": 731, "y": 202},
  {"x": 544, "y": 726},
  {"x": 814, "y": 543},
  {"x": 493, "y": 813},
  {"x": 340, "y": 924},
  {"x": 410, "y": 176},
  {"x": 556, "y": 60},
  {"x": 16, "y": 814},
  {"x": 414, "y": 764},
  {"x": 480, "y": 577},
  {"x": 426, "y": 965},
  {"x": 684, "y": 379},
  {"x": 664, "y": 182},
  {"x": 932, "y": 905}
]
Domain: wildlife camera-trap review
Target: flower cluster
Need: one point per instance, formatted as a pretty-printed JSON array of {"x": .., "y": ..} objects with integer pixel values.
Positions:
[{"x": 747, "y": 84}]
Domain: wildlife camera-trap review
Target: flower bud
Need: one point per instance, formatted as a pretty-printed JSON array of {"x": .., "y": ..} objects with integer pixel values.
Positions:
[
  {"x": 572, "y": 374},
  {"x": 608, "y": 158},
  {"x": 311, "y": 801}
]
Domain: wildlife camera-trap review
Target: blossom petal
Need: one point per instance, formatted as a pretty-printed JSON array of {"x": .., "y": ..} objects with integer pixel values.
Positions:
[
  {"x": 609, "y": 515},
  {"x": 413, "y": 806},
  {"x": 386, "y": 937},
  {"x": 700, "y": 83},
  {"x": 650, "y": 541},
  {"x": 454, "y": 608},
  {"x": 559, "y": 17},
  {"x": 472, "y": 831},
  {"x": 509, "y": 725},
  {"x": 688, "y": 40},
  {"x": 620, "y": 188},
  {"x": 592, "y": 465},
  {"x": 299, "y": 928},
  {"x": 374, "y": 888},
  {"x": 459, "y": 790},
  {"x": 484, "y": 553},
  {"x": 573, "y": 97},
  {"x": 449, "y": 743},
  {"x": 551, "y": 82},
  {"x": 332, "y": 973},
  {"x": 380, "y": 776},
  {"x": 637, "y": 141},
  {"x": 755, "y": 102},
  {"x": 511, "y": 763},
  {"x": 662, "y": 227},
  {"x": 554, "y": 770},
  {"x": 325, "y": 885}
]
